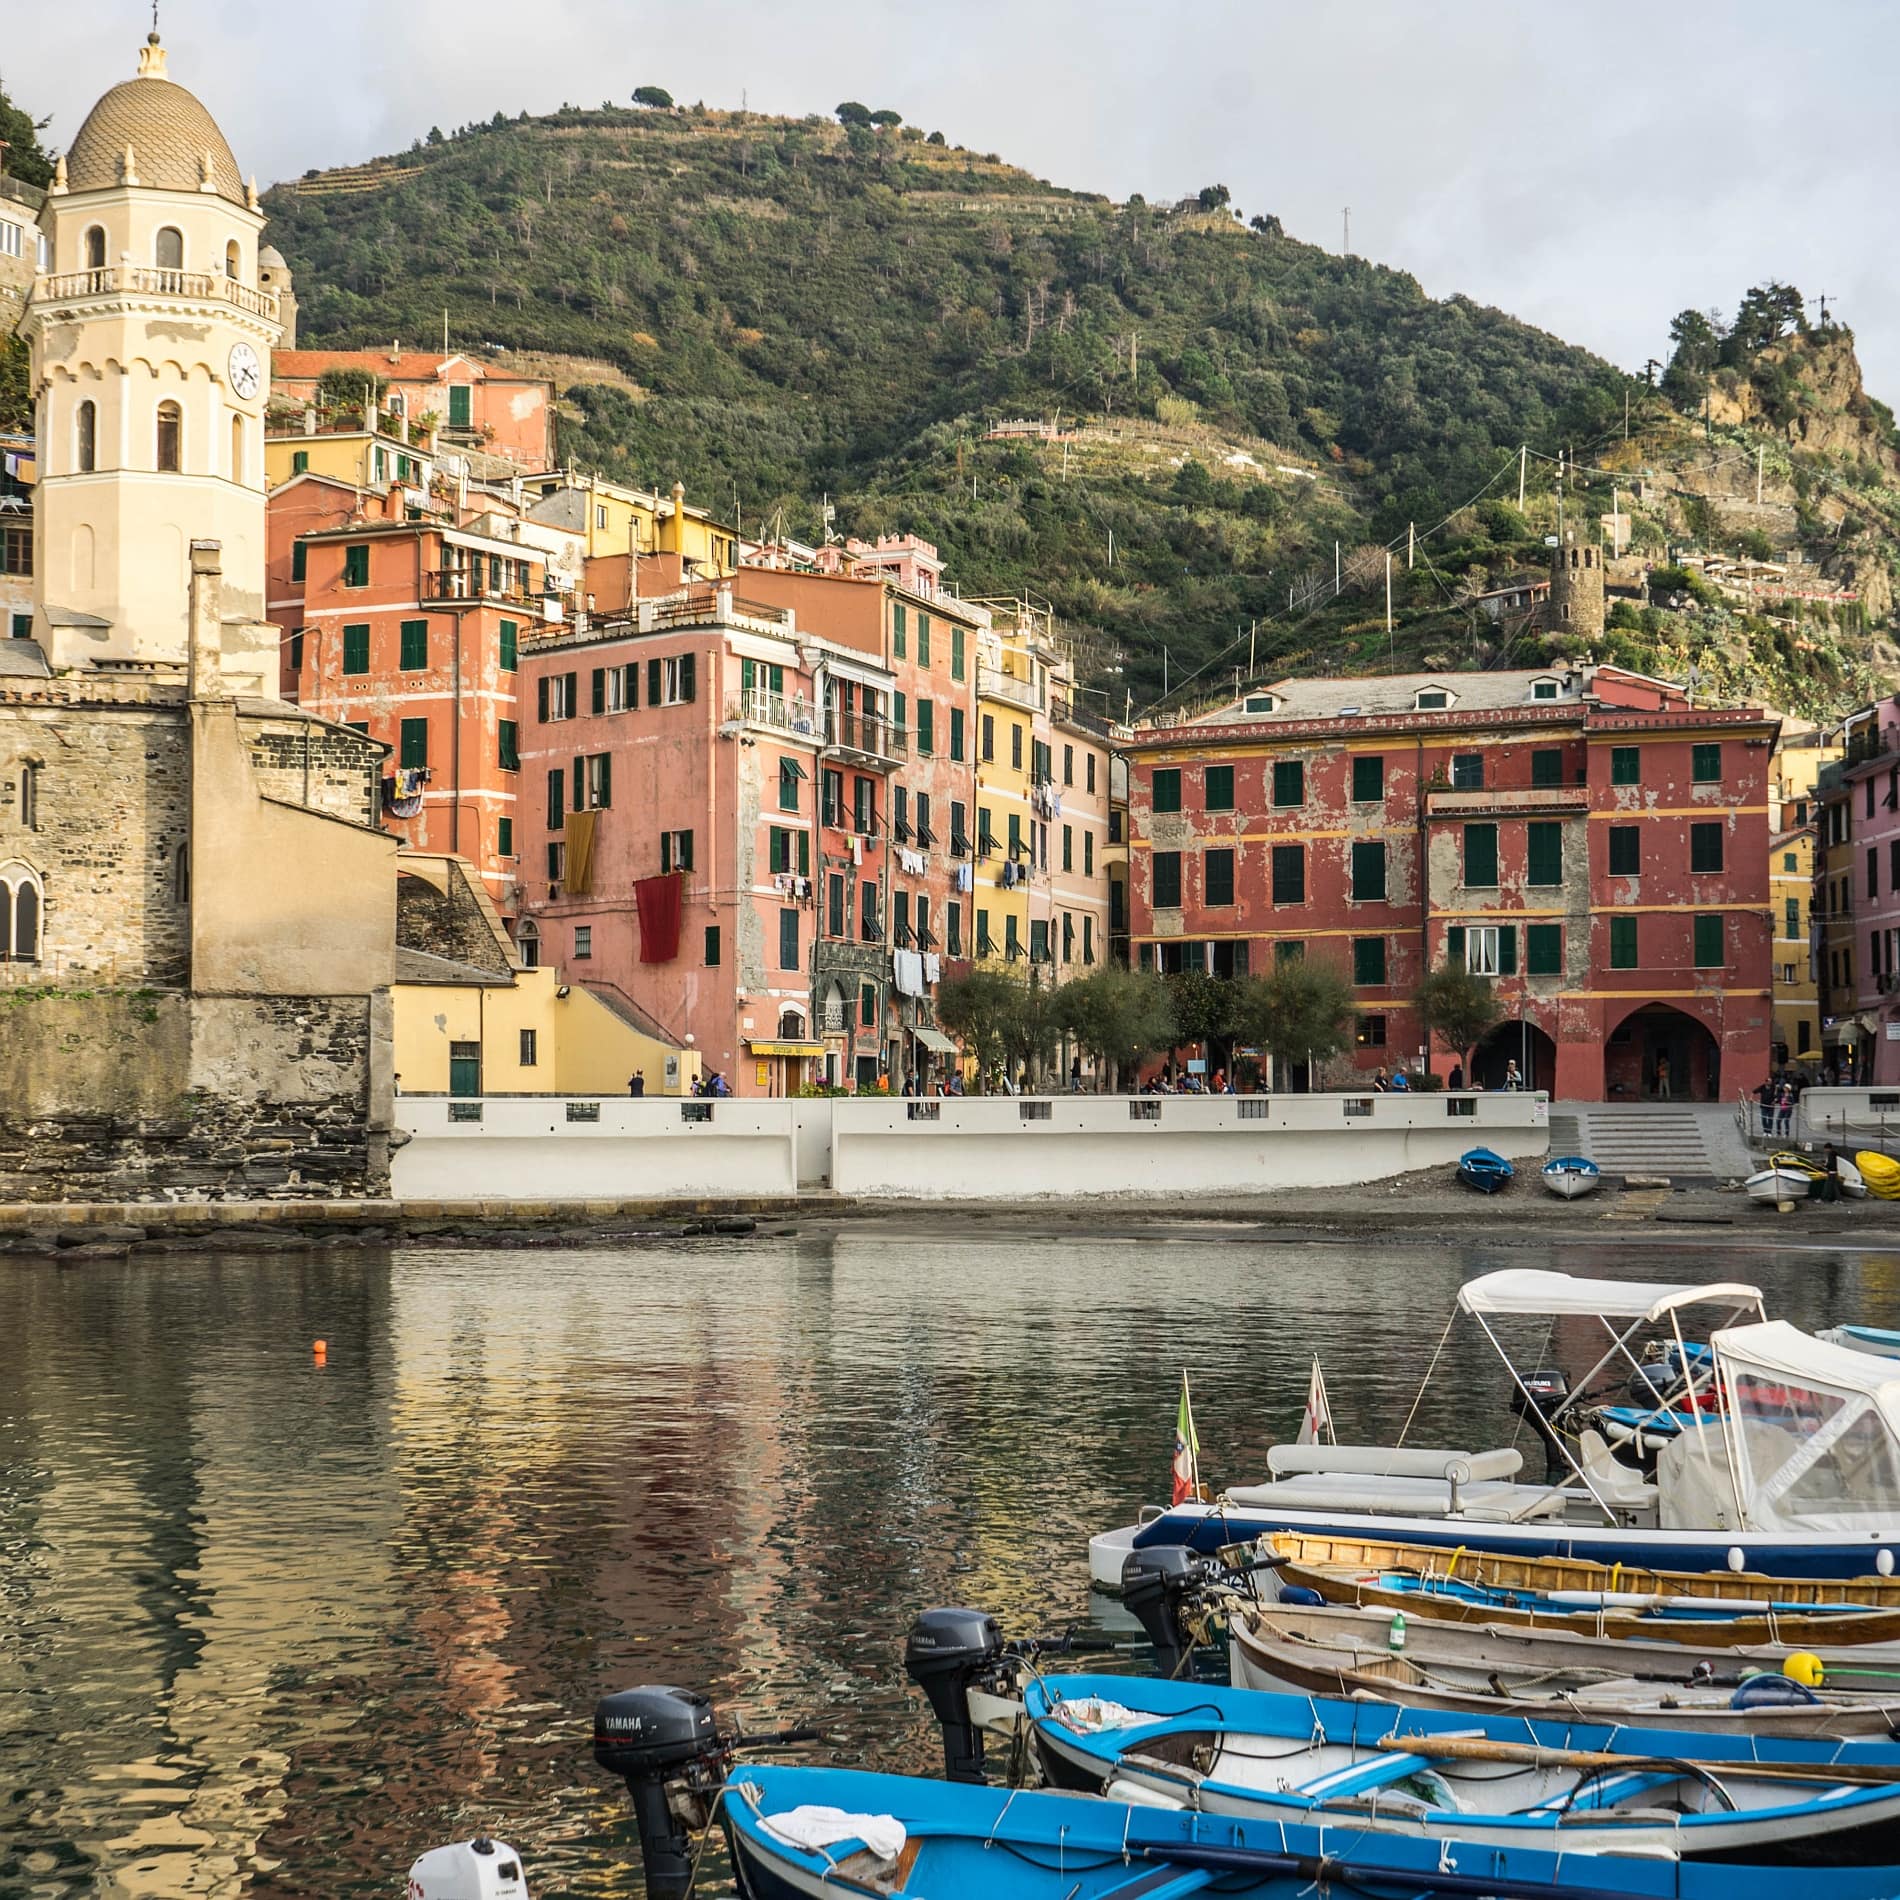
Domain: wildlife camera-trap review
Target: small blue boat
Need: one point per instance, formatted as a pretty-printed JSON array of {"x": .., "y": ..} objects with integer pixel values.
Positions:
[
  {"x": 1878, "y": 1340},
  {"x": 1487, "y": 1172},
  {"x": 1475, "y": 1783},
  {"x": 1570, "y": 1177},
  {"x": 954, "y": 1841}
]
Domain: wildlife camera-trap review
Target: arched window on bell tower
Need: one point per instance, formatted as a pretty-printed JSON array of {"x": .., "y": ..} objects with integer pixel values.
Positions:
[
  {"x": 86, "y": 437},
  {"x": 237, "y": 447},
  {"x": 170, "y": 438},
  {"x": 95, "y": 247},
  {"x": 169, "y": 253},
  {"x": 233, "y": 260}
]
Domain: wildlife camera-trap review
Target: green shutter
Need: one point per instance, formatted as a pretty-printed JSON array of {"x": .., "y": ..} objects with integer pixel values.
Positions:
[
  {"x": 356, "y": 565},
  {"x": 1507, "y": 950},
  {"x": 1546, "y": 853},
  {"x": 356, "y": 649},
  {"x": 504, "y": 837},
  {"x": 926, "y": 727},
  {"x": 923, "y": 639},
  {"x": 508, "y": 747},
  {"x": 461, "y": 398},
  {"x": 897, "y": 629},
  {"x": 1368, "y": 872},
  {"x": 1289, "y": 782},
  {"x": 1219, "y": 787},
  {"x": 1167, "y": 788},
  {"x": 1543, "y": 949},
  {"x": 1368, "y": 779},
  {"x": 1706, "y": 764},
  {"x": 1709, "y": 947},
  {"x": 956, "y": 653},
  {"x": 597, "y": 690},
  {"x": 1626, "y": 765},
  {"x": 1481, "y": 856},
  {"x": 1622, "y": 943},
  {"x": 415, "y": 645},
  {"x": 510, "y": 644},
  {"x": 1547, "y": 766},
  {"x": 1368, "y": 962},
  {"x": 1455, "y": 945},
  {"x": 299, "y": 561},
  {"x": 415, "y": 743},
  {"x": 956, "y": 732}
]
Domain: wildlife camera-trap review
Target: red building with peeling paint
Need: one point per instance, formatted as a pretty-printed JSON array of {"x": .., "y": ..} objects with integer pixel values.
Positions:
[{"x": 1585, "y": 837}]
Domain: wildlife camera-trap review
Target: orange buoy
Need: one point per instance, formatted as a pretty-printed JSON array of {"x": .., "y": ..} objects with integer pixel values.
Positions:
[{"x": 320, "y": 1350}]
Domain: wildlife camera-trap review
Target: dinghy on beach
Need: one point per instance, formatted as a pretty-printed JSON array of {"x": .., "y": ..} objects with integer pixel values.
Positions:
[{"x": 1570, "y": 1177}]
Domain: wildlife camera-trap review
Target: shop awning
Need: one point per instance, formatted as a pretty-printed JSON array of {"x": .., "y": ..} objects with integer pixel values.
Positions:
[
  {"x": 759, "y": 1048},
  {"x": 937, "y": 1040}
]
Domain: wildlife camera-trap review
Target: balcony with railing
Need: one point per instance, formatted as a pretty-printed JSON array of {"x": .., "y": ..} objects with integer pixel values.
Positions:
[
  {"x": 141, "y": 280},
  {"x": 476, "y": 586},
  {"x": 778, "y": 712},
  {"x": 1518, "y": 801},
  {"x": 993, "y": 683},
  {"x": 866, "y": 736}
]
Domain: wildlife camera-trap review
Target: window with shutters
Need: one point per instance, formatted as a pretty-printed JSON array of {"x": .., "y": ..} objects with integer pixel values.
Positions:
[
  {"x": 834, "y": 906},
  {"x": 530, "y": 1050},
  {"x": 1481, "y": 857},
  {"x": 413, "y": 750},
  {"x": 788, "y": 957},
  {"x": 1289, "y": 950},
  {"x": 1167, "y": 788},
  {"x": 461, "y": 405},
  {"x": 356, "y": 649},
  {"x": 926, "y": 727},
  {"x": 956, "y": 653},
  {"x": 988, "y": 737},
  {"x": 1545, "y": 853},
  {"x": 299, "y": 562},
  {"x": 956, "y": 732},
  {"x": 712, "y": 946},
  {"x": 1705, "y": 848},
  {"x": 414, "y": 645},
  {"x": 1068, "y": 765},
  {"x": 870, "y": 928},
  {"x": 600, "y": 782},
  {"x": 1289, "y": 782},
  {"x": 676, "y": 851},
  {"x": 672, "y": 682},
  {"x": 1622, "y": 943},
  {"x": 923, "y": 639},
  {"x": 1218, "y": 787},
  {"x": 623, "y": 686},
  {"x": 1167, "y": 880},
  {"x": 1289, "y": 874},
  {"x": 1368, "y": 962},
  {"x": 1368, "y": 779},
  {"x": 1091, "y": 771},
  {"x": 510, "y": 645},
  {"x": 1015, "y": 746},
  {"x": 1068, "y": 847},
  {"x": 1544, "y": 949},
  {"x": 1088, "y": 854},
  {"x": 1626, "y": 765},
  {"x": 1547, "y": 766},
  {"x": 832, "y": 798},
  {"x": 1467, "y": 771},
  {"x": 1791, "y": 916},
  {"x": 1626, "y": 850},
  {"x": 1368, "y": 871},
  {"x": 864, "y": 806},
  {"x": 1705, "y": 765},
  {"x": 1217, "y": 877},
  {"x": 1708, "y": 942},
  {"x": 504, "y": 837},
  {"x": 900, "y": 621},
  {"x": 1491, "y": 949},
  {"x": 790, "y": 772},
  {"x": 953, "y": 929},
  {"x": 356, "y": 564},
  {"x": 556, "y": 696}
]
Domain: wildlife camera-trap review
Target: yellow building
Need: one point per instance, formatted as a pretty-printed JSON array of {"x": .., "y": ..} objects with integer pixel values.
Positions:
[
  {"x": 1012, "y": 726},
  {"x": 622, "y": 523},
  {"x": 385, "y": 452},
  {"x": 1800, "y": 754}
]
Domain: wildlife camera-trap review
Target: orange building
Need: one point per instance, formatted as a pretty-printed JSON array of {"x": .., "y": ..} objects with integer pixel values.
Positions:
[{"x": 475, "y": 405}]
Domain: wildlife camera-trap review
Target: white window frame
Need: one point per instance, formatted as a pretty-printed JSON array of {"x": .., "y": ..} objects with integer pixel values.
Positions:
[
  {"x": 617, "y": 699},
  {"x": 14, "y": 877},
  {"x": 1434, "y": 699},
  {"x": 1481, "y": 949},
  {"x": 670, "y": 681},
  {"x": 583, "y": 943},
  {"x": 561, "y": 697},
  {"x": 12, "y": 238}
]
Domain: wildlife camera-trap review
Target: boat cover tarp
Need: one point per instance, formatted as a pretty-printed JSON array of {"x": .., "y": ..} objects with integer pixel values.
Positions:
[
  {"x": 1539, "y": 1291},
  {"x": 1814, "y": 1429}
]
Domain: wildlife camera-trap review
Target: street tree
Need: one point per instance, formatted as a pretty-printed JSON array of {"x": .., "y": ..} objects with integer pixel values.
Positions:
[
  {"x": 980, "y": 1008},
  {"x": 1456, "y": 1009},
  {"x": 1119, "y": 1017},
  {"x": 1301, "y": 1011}
]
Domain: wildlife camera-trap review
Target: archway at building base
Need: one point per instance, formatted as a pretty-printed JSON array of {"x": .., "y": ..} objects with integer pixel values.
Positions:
[
  {"x": 1658, "y": 1053},
  {"x": 1521, "y": 1042}
]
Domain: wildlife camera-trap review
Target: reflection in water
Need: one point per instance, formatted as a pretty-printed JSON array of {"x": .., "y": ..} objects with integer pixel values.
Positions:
[{"x": 269, "y": 1628}]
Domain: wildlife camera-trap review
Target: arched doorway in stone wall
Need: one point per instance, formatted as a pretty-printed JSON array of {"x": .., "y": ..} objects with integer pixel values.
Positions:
[
  {"x": 1658, "y": 1052},
  {"x": 1523, "y": 1043}
]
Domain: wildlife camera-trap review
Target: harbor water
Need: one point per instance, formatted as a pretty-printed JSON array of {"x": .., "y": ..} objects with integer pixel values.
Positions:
[{"x": 271, "y": 1625}]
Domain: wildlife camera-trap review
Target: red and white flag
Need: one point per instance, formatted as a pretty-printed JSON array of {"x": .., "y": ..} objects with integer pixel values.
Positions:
[{"x": 1319, "y": 1415}]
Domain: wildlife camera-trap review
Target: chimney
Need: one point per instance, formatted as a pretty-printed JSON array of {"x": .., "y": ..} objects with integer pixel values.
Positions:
[
  {"x": 393, "y": 503},
  {"x": 204, "y": 661},
  {"x": 679, "y": 517}
]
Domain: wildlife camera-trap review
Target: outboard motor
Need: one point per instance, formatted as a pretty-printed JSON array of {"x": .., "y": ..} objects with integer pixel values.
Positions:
[
  {"x": 480, "y": 1869},
  {"x": 1158, "y": 1584},
  {"x": 665, "y": 1744},
  {"x": 946, "y": 1652},
  {"x": 1549, "y": 1392}
]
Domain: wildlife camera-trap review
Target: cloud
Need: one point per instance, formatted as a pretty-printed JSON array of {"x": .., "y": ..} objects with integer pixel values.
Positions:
[{"x": 1593, "y": 174}]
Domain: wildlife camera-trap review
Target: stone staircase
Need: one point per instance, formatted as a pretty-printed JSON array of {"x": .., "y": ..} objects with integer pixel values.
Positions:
[{"x": 1682, "y": 1141}]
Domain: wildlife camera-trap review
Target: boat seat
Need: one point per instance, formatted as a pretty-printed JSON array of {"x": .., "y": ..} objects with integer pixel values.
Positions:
[
  {"x": 1615, "y": 1483},
  {"x": 1487, "y": 1502},
  {"x": 1387, "y": 1461}
]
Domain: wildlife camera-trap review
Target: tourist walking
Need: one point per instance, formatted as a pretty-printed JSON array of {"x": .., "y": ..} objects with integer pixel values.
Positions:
[
  {"x": 1662, "y": 1078},
  {"x": 1784, "y": 1109}
]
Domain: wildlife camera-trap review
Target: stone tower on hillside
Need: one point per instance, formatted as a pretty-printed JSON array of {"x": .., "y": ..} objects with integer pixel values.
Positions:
[{"x": 1576, "y": 588}]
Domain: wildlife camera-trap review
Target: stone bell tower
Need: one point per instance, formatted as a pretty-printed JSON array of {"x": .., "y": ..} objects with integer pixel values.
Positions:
[
  {"x": 151, "y": 335},
  {"x": 1576, "y": 588}
]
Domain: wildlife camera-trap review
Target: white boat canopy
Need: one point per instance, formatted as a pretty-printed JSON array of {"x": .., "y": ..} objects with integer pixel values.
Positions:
[
  {"x": 1535, "y": 1290},
  {"x": 1813, "y": 1431}
]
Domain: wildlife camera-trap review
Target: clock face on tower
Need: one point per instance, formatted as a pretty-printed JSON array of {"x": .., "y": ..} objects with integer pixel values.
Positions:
[{"x": 247, "y": 373}]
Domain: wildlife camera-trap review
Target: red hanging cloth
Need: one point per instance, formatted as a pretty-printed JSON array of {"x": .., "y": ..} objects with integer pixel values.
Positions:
[{"x": 658, "y": 901}]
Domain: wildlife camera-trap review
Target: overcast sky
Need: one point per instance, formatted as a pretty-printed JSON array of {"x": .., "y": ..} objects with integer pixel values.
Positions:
[{"x": 1591, "y": 170}]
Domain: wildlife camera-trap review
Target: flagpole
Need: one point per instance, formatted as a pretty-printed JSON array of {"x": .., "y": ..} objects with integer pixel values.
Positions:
[{"x": 1193, "y": 1437}]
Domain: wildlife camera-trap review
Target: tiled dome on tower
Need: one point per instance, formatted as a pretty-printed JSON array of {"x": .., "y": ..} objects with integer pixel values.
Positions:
[{"x": 175, "y": 143}]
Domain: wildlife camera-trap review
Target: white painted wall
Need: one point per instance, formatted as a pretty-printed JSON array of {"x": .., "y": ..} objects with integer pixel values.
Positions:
[
  {"x": 1850, "y": 1118},
  {"x": 969, "y": 1148}
]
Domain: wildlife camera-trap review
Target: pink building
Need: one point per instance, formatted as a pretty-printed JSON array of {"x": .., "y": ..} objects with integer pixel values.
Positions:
[
  {"x": 675, "y": 768},
  {"x": 1870, "y": 780}
]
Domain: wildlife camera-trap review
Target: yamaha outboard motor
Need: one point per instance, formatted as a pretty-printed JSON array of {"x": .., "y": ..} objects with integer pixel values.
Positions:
[
  {"x": 1549, "y": 1392},
  {"x": 946, "y": 1652},
  {"x": 1158, "y": 1584},
  {"x": 665, "y": 1744}
]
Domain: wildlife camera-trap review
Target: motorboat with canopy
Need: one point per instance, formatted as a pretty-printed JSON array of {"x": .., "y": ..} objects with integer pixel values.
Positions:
[{"x": 1786, "y": 1460}]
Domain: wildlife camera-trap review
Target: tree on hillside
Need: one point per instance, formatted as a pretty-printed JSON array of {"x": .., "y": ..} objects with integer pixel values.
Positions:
[
  {"x": 25, "y": 158},
  {"x": 885, "y": 116},
  {"x": 1301, "y": 1010},
  {"x": 1768, "y": 312},
  {"x": 656, "y": 96},
  {"x": 1212, "y": 197},
  {"x": 1698, "y": 348},
  {"x": 1119, "y": 1017},
  {"x": 852, "y": 113},
  {"x": 1456, "y": 1008},
  {"x": 435, "y": 135}
]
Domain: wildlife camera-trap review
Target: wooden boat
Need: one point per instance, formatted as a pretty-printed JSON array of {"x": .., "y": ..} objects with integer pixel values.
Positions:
[
  {"x": 1570, "y": 1177},
  {"x": 1487, "y": 1172},
  {"x": 1465, "y": 1669},
  {"x": 1880, "y": 1172},
  {"x": 1469, "y": 1782},
  {"x": 1777, "y": 1185},
  {"x": 1700, "y": 1610}
]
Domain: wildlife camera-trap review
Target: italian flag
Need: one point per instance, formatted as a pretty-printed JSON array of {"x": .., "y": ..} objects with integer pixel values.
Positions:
[{"x": 1187, "y": 1449}]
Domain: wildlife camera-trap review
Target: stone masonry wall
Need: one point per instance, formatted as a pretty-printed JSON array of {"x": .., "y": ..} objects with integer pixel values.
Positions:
[
  {"x": 149, "y": 1095},
  {"x": 447, "y": 924},
  {"x": 301, "y": 762},
  {"x": 113, "y": 813}
]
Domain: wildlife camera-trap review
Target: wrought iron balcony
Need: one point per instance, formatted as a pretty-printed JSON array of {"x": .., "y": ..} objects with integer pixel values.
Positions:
[{"x": 868, "y": 736}]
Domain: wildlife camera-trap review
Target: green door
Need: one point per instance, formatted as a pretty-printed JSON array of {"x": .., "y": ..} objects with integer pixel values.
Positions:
[
  {"x": 459, "y": 405},
  {"x": 465, "y": 1068}
]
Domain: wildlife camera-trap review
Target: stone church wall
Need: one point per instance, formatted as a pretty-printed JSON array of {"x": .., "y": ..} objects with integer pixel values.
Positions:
[
  {"x": 156, "y": 1095},
  {"x": 303, "y": 763}
]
